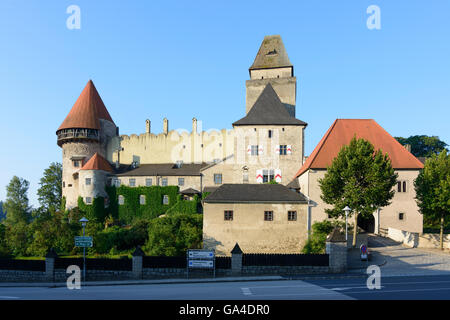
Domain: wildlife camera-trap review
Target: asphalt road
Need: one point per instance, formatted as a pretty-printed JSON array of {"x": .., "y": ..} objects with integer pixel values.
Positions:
[{"x": 411, "y": 287}]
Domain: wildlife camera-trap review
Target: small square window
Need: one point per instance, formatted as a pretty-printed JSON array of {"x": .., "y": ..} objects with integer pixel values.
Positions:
[
  {"x": 76, "y": 163},
  {"x": 217, "y": 178},
  {"x": 148, "y": 182},
  {"x": 88, "y": 181},
  {"x": 292, "y": 215},
  {"x": 268, "y": 215},
  {"x": 228, "y": 215},
  {"x": 181, "y": 181},
  {"x": 64, "y": 184},
  {"x": 121, "y": 200},
  {"x": 283, "y": 150},
  {"x": 270, "y": 134},
  {"x": 141, "y": 199},
  {"x": 88, "y": 200},
  {"x": 164, "y": 182},
  {"x": 165, "y": 199},
  {"x": 254, "y": 150},
  {"x": 401, "y": 216}
]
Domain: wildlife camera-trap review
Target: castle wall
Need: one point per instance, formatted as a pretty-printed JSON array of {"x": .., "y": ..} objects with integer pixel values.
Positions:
[
  {"x": 189, "y": 181},
  {"x": 97, "y": 186},
  {"x": 169, "y": 148}
]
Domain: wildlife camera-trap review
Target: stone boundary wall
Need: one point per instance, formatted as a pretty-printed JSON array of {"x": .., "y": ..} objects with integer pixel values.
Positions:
[{"x": 418, "y": 240}]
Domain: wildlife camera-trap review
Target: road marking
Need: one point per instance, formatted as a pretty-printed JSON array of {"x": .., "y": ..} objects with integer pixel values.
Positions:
[{"x": 246, "y": 291}]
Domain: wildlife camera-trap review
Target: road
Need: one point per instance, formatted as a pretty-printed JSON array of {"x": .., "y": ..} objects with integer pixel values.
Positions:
[{"x": 411, "y": 287}]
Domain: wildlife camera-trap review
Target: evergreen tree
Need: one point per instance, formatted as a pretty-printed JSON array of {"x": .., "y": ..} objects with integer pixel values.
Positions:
[
  {"x": 433, "y": 189},
  {"x": 50, "y": 191},
  {"x": 359, "y": 177},
  {"x": 423, "y": 146},
  {"x": 16, "y": 203}
]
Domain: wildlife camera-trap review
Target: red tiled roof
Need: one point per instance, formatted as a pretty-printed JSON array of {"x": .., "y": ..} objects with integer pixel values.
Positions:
[
  {"x": 343, "y": 130},
  {"x": 97, "y": 162},
  {"x": 87, "y": 110}
]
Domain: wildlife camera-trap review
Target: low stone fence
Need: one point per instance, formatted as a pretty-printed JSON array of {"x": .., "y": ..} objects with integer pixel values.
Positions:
[
  {"x": 418, "y": 240},
  {"x": 142, "y": 267}
]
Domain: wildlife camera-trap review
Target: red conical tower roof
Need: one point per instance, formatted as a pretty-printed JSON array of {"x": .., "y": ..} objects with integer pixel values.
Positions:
[
  {"x": 87, "y": 110},
  {"x": 97, "y": 162}
]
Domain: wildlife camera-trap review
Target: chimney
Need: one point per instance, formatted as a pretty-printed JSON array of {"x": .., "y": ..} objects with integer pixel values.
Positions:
[
  {"x": 408, "y": 147},
  {"x": 194, "y": 125},
  {"x": 147, "y": 126},
  {"x": 165, "y": 126}
]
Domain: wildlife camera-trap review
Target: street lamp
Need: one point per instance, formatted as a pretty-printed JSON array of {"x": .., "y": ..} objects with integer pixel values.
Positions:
[
  {"x": 83, "y": 224},
  {"x": 347, "y": 210}
]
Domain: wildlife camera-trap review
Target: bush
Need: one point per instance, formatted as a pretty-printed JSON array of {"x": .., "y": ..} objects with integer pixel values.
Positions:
[
  {"x": 173, "y": 235},
  {"x": 320, "y": 231}
]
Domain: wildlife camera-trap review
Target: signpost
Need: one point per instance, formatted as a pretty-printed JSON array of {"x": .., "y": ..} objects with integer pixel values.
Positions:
[
  {"x": 363, "y": 252},
  {"x": 83, "y": 242},
  {"x": 200, "y": 259}
]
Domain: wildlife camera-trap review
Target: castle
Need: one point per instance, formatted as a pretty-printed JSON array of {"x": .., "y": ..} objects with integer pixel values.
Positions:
[{"x": 266, "y": 145}]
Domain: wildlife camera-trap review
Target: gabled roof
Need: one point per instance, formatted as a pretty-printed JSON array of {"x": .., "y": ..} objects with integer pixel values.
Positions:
[
  {"x": 271, "y": 54},
  {"x": 87, "y": 110},
  {"x": 269, "y": 110},
  {"x": 255, "y": 193},
  {"x": 97, "y": 162},
  {"x": 343, "y": 130}
]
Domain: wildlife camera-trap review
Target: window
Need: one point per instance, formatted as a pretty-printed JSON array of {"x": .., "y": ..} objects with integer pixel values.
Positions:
[
  {"x": 76, "y": 163},
  {"x": 283, "y": 150},
  {"x": 148, "y": 182},
  {"x": 401, "y": 216},
  {"x": 268, "y": 215},
  {"x": 254, "y": 150},
  {"x": 292, "y": 215},
  {"x": 245, "y": 177},
  {"x": 165, "y": 199},
  {"x": 181, "y": 181},
  {"x": 88, "y": 181},
  {"x": 117, "y": 182},
  {"x": 64, "y": 184},
  {"x": 401, "y": 186},
  {"x": 228, "y": 215},
  {"x": 217, "y": 178},
  {"x": 164, "y": 182},
  {"x": 121, "y": 200},
  {"x": 270, "y": 134},
  {"x": 88, "y": 200},
  {"x": 268, "y": 175},
  {"x": 132, "y": 182},
  {"x": 141, "y": 199}
]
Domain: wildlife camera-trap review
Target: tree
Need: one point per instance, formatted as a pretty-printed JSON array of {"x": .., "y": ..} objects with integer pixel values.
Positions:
[
  {"x": 2, "y": 213},
  {"x": 50, "y": 191},
  {"x": 423, "y": 146},
  {"x": 433, "y": 189},
  {"x": 173, "y": 235},
  {"x": 16, "y": 203},
  {"x": 359, "y": 177}
]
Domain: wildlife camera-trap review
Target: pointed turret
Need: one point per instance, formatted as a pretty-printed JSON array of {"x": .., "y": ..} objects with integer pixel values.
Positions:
[
  {"x": 83, "y": 120},
  {"x": 272, "y": 65}
]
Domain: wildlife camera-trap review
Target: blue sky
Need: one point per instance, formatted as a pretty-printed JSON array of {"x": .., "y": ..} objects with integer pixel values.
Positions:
[{"x": 156, "y": 59}]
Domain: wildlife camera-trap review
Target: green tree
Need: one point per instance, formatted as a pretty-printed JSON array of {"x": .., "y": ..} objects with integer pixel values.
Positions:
[
  {"x": 173, "y": 235},
  {"x": 2, "y": 213},
  {"x": 50, "y": 191},
  {"x": 359, "y": 177},
  {"x": 423, "y": 146},
  {"x": 433, "y": 189},
  {"x": 16, "y": 203}
]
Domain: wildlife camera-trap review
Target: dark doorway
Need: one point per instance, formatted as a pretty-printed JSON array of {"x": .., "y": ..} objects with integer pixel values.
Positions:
[{"x": 367, "y": 224}]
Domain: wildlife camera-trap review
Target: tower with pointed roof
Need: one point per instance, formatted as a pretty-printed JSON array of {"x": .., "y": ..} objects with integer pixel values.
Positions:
[
  {"x": 85, "y": 131},
  {"x": 272, "y": 66}
]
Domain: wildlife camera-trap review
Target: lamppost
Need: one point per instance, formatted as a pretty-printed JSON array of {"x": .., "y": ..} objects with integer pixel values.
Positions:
[
  {"x": 347, "y": 210},
  {"x": 83, "y": 224}
]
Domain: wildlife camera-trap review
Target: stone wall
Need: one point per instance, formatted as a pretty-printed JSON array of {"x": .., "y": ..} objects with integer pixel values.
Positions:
[{"x": 418, "y": 240}]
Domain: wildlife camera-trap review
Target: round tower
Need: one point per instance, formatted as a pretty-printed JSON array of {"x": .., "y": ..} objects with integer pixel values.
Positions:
[{"x": 85, "y": 131}]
